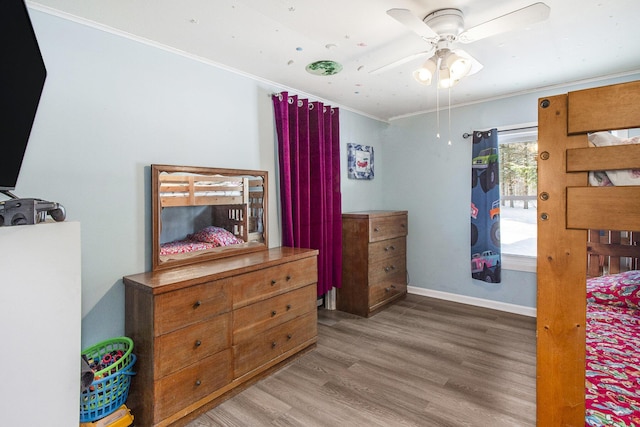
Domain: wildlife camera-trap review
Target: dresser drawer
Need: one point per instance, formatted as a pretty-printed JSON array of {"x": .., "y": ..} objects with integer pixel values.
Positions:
[
  {"x": 388, "y": 269},
  {"x": 385, "y": 249},
  {"x": 185, "y": 307},
  {"x": 256, "y": 351},
  {"x": 383, "y": 291},
  {"x": 254, "y": 319},
  {"x": 268, "y": 282},
  {"x": 387, "y": 227},
  {"x": 188, "y": 345},
  {"x": 179, "y": 390}
]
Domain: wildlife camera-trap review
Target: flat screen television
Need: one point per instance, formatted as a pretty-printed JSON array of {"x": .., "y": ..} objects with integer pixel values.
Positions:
[{"x": 22, "y": 76}]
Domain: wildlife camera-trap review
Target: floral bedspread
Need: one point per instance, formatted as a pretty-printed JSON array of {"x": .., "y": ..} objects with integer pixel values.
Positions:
[
  {"x": 208, "y": 238},
  {"x": 613, "y": 351}
]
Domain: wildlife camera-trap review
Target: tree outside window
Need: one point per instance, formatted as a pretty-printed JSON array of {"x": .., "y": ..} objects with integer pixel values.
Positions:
[{"x": 518, "y": 186}]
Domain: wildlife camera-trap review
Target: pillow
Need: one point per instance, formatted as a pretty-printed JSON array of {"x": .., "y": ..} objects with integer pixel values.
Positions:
[
  {"x": 621, "y": 290},
  {"x": 617, "y": 177},
  {"x": 216, "y": 235}
]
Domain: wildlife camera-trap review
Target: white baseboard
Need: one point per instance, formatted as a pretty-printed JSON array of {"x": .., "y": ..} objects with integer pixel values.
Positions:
[{"x": 480, "y": 302}]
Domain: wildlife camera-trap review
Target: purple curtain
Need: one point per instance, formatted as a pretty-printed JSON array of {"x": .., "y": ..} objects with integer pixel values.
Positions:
[{"x": 309, "y": 162}]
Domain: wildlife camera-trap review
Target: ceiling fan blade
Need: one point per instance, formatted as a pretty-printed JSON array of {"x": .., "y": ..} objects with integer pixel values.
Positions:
[
  {"x": 475, "y": 65},
  {"x": 533, "y": 13},
  {"x": 412, "y": 22},
  {"x": 399, "y": 62}
]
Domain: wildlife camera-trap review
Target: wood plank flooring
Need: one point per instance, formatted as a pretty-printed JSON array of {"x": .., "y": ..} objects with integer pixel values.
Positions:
[{"x": 421, "y": 362}]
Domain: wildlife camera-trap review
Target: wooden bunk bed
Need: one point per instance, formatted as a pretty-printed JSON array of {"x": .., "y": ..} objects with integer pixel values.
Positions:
[{"x": 568, "y": 208}]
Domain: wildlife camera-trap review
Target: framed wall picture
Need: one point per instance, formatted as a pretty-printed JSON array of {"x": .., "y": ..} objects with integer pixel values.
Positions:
[{"x": 360, "y": 161}]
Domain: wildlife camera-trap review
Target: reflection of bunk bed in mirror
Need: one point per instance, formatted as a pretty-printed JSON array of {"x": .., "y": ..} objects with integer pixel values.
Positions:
[
  {"x": 235, "y": 202},
  {"x": 206, "y": 213},
  {"x": 584, "y": 231}
]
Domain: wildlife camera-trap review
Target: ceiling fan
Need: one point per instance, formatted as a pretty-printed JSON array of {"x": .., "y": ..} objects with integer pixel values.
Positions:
[{"x": 443, "y": 28}]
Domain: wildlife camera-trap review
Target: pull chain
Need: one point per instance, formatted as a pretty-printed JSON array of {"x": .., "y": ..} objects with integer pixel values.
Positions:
[
  {"x": 449, "y": 143},
  {"x": 438, "y": 109}
]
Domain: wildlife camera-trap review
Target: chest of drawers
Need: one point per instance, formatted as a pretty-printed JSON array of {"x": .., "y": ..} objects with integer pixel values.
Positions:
[
  {"x": 374, "y": 270},
  {"x": 201, "y": 331}
]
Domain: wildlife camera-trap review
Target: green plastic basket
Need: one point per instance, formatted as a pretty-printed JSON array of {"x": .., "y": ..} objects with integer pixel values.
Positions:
[{"x": 98, "y": 351}]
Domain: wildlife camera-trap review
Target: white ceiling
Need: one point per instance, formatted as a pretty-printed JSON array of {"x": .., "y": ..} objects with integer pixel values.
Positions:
[{"x": 274, "y": 40}]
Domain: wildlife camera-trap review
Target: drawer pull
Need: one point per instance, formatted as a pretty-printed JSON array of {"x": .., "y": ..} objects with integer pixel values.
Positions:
[
  {"x": 273, "y": 313},
  {"x": 288, "y": 307},
  {"x": 273, "y": 282},
  {"x": 197, "y": 304},
  {"x": 198, "y": 382},
  {"x": 289, "y": 336},
  {"x": 390, "y": 248},
  {"x": 288, "y": 277},
  {"x": 198, "y": 343},
  {"x": 273, "y": 344}
]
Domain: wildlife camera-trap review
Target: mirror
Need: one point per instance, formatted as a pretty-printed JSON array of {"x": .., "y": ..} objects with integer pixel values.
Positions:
[{"x": 200, "y": 214}]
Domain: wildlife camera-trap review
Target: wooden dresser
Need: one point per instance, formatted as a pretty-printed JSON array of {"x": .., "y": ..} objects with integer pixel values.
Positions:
[
  {"x": 374, "y": 266},
  {"x": 201, "y": 331}
]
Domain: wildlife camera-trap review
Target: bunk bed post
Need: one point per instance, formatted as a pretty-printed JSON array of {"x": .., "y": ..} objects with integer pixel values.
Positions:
[{"x": 561, "y": 293}]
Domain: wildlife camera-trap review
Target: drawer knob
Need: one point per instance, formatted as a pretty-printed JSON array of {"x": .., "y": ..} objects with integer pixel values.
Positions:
[
  {"x": 273, "y": 313},
  {"x": 198, "y": 382},
  {"x": 390, "y": 248},
  {"x": 403, "y": 225},
  {"x": 198, "y": 343},
  {"x": 288, "y": 277},
  {"x": 289, "y": 336},
  {"x": 197, "y": 304},
  {"x": 387, "y": 289},
  {"x": 273, "y": 282},
  {"x": 273, "y": 344},
  {"x": 288, "y": 306},
  {"x": 387, "y": 269},
  {"x": 376, "y": 229}
]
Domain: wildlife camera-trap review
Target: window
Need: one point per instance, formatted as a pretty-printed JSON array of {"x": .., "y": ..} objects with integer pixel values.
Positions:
[{"x": 518, "y": 189}]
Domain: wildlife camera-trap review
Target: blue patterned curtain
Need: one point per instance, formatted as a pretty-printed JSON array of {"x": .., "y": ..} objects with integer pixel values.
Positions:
[{"x": 485, "y": 208}]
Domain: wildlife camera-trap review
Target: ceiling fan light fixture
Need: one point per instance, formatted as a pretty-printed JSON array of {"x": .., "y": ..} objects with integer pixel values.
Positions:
[
  {"x": 459, "y": 66},
  {"x": 445, "y": 79},
  {"x": 425, "y": 74}
]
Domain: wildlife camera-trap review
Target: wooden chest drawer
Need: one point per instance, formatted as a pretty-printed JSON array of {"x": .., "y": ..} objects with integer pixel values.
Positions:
[
  {"x": 268, "y": 282},
  {"x": 382, "y": 291},
  {"x": 188, "y": 306},
  {"x": 256, "y": 351},
  {"x": 385, "y": 249},
  {"x": 374, "y": 266},
  {"x": 395, "y": 267},
  {"x": 254, "y": 319},
  {"x": 188, "y": 345},
  {"x": 387, "y": 227},
  {"x": 186, "y": 386}
]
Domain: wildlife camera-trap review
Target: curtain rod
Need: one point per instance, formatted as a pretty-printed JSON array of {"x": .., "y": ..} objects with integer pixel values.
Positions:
[{"x": 467, "y": 135}]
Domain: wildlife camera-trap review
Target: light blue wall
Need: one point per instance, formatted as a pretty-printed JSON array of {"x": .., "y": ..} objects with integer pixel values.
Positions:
[
  {"x": 111, "y": 107},
  {"x": 432, "y": 180},
  {"x": 359, "y": 194}
]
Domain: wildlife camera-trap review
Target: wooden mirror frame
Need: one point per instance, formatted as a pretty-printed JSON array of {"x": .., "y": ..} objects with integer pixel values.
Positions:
[{"x": 226, "y": 198}]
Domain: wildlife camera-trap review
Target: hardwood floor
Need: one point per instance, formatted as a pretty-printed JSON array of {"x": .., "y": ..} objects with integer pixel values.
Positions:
[{"x": 421, "y": 362}]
